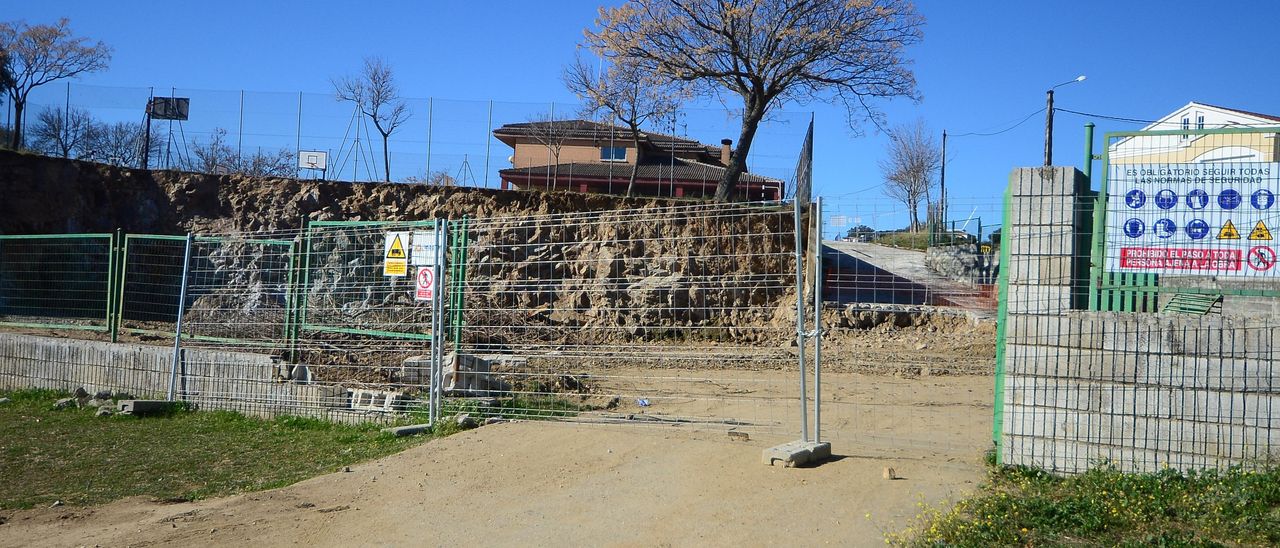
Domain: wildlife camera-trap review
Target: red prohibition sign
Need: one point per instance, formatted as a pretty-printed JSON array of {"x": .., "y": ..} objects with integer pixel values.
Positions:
[
  {"x": 1262, "y": 258},
  {"x": 426, "y": 275}
]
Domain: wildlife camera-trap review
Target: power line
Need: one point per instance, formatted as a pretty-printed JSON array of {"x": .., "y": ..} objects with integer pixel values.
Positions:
[
  {"x": 1105, "y": 117},
  {"x": 980, "y": 134}
]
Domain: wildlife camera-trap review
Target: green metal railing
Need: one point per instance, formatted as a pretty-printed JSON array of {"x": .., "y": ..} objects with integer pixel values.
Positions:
[
  {"x": 56, "y": 281},
  {"x": 130, "y": 283}
]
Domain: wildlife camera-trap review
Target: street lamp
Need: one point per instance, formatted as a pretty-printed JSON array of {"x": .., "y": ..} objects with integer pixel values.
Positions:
[{"x": 1048, "y": 120}]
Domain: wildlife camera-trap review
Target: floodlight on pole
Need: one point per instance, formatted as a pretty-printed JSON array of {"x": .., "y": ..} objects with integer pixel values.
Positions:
[{"x": 1048, "y": 119}]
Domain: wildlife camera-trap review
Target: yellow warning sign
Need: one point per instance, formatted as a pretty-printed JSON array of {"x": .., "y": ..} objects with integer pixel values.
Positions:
[
  {"x": 1229, "y": 232},
  {"x": 395, "y": 260},
  {"x": 396, "y": 249},
  {"x": 1260, "y": 232}
]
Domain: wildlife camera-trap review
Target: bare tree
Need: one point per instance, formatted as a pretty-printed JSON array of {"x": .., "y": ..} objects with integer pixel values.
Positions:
[
  {"x": 281, "y": 163},
  {"x": 632, "y": 95},
  {"x": 552, "y": 133},
  {"x": 768, "y": 52},
  {"x": 913, "y": 159},
  {"x": 62, "y": 132},
  {"x": 121, "y": 143},
  {"x": 37, "y": 55},
  {"x": 435, "y": 178},
  {"x": 374, "y": 92},
  {"x": 217, "y": 156}
]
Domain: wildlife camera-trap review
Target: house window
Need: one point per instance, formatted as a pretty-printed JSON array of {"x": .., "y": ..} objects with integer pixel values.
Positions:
[
  {"x": 613, "y": 154},
  {"x": 1186, "y": 126},
  {"x": 1199, "y": 120}
]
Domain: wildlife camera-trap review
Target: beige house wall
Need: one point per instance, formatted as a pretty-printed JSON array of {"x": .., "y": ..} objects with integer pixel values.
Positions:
[
  {"x": 1171, "y": 149},
  {"x": 537, "y": 154}
]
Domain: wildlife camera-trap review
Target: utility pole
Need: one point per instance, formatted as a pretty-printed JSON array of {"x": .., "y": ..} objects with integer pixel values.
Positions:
[
  {"x": 942, "y": 184},
  {"x": 1048, "y": 120}
]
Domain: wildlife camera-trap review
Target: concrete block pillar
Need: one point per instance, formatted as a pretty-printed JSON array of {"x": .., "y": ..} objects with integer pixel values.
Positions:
[{"x": 1047, "y": 229}]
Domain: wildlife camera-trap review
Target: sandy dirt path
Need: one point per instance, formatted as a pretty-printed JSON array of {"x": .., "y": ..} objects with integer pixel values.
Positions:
[{"x": 588, "y": 484}]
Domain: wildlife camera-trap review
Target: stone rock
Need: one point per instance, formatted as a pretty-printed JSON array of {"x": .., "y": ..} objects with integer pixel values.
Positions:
[
  {"x": 80, "y": 393},
  {"x": 494, "y": 420},
  {"x": 103, "y": 412},
  {"x": 98, "y": 403},
  {"x": 4, "y": 400},
  {"x": 64, "y": 403},
  {"x": 103, "y": 395},
  {"x": 465, "y": 421}
]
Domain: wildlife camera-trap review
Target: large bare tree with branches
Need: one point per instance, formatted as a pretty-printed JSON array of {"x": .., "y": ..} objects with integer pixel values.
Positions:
[
  {"x": 768, "y": 52},
  {"x": 913, "y": 159},
  {"x": 62, "y": 132},
  {"x": 39, "y": 54},
  {"x": 632, "y": 95},
  {"x": 374, "y": 92}
]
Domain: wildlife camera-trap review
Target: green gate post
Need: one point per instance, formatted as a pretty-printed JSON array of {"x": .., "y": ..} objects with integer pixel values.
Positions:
[{"x": 1002, "y": 320}]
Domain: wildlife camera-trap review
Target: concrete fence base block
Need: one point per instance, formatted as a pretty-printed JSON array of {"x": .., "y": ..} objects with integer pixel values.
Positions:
[
  {"x": 145, "y": 407},
  {"x": 410, "y": 430},
  {"x": 797, "y": 453}
]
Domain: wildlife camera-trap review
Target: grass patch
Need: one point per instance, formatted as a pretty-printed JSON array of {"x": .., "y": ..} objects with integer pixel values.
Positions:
[
  {"x": 1020, "y": 506},
  {"x": 908, "y": 240},
  {"x": 73, "y": 456}
]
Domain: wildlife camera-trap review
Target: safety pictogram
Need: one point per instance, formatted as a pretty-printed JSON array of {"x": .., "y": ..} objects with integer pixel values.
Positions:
[
  {"x": 1229, "y": 232},
  {"x": 396, "y": 249},
  {"x": 1260, "y": 232},
  {"x": 1262, "y": 258},
  {"x": 395, "y": 259},
  {"x": 425, "y": 288}
]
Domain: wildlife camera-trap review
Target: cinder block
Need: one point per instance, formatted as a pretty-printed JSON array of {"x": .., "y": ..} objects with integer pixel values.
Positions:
[
  {"x": 1058, "y": 240},
  {"x": 1038, "y": 299},
  {"x": 1047, "y": 181},
  {"x": 1037, "y": 269}
]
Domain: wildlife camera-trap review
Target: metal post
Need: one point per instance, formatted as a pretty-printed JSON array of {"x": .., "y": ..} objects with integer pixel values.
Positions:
[
  {"x": 488, "y": 140},
  {"x": 804, "y": 391},
  {"x": 182, "y": 308},
  {"x": 437, "y": 328},
  {"x": 817, "y": 320},
  {"x": 430, "y": 125},
  {"x": 1088, "y": 152},
  {"x": 240, "y": 131},
  {"x": 111, "y": 283},
  {"x": 297, "y": 143}
]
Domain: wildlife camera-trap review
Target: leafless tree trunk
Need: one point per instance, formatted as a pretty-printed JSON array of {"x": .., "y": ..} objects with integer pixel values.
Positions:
[
  {"x": 913, "y": 158},
  {"x": 374, "y": 92}
]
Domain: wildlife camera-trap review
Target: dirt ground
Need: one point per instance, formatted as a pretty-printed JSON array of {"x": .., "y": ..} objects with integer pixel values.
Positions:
[{"x": 617, "y": 485}]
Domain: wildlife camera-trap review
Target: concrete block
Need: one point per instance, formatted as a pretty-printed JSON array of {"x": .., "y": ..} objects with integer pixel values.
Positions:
[
  {"x": 1039, "y": 269},
  {"x": 1047, "y": 181},
  {"x": 1038, "y": 299},
  {"x": 1033, "y": 211},
  {"x": 1058, "y": 240},
  {"x": 410, "y": 430},
  {"x": 145, "y": 407},
  {"x": 797, "y": 453}
]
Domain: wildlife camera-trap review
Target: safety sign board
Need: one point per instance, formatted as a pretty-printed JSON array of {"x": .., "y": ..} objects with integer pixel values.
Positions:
[
  {"x": 1262, "y": 258},
  {"x": 395, "y": 254},
  {"x": 425, "y": 285},
  {"x": 1260, "y": 232},
  {"x": 1192, "y": 219},
  {"x": 424, "y": 247}
]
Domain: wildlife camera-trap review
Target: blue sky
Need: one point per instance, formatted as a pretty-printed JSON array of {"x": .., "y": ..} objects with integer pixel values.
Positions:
[{"x": 981, "y": 67}]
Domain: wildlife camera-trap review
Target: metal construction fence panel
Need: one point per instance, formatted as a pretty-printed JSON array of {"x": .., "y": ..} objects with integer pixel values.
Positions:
[
  {"x": 56, "y": 281},
  {"x": 677, "y": 316}
]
